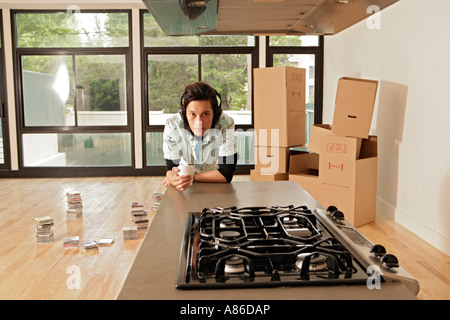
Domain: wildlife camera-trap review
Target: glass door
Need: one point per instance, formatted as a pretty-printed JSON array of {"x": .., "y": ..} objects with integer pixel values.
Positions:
[
  {"x": 4, "y": 158},
  {"x": 2, "y": 137}
]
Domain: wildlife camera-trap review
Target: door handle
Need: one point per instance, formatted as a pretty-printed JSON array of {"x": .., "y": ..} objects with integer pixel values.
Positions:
[{"x": 1, "y": 109}]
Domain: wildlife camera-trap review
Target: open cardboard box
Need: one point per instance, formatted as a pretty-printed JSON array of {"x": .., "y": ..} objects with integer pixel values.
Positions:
[
  {"x": 353, "y": 190},
  {"x": 338, "y": 155},
  {"x": 320, "y": 130},
  {"x": 279, "y": 106},
  {"x": 316, "y": 133}
]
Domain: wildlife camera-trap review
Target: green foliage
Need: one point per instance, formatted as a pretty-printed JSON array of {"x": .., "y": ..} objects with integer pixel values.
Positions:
[
  {"x": 169, "y": 74},
  {"x": 103, "y": 78},
  {"x": 105, "y": 95},
  {"x": 40, "y": 30},
  {"x": 100, "y": 78}
]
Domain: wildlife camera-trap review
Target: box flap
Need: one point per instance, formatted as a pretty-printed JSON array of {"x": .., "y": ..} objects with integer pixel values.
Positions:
[
  {"x": 355, "y": 101},
  {"x": 369, "y": 147},
  {"x": 316, "y": 133}
]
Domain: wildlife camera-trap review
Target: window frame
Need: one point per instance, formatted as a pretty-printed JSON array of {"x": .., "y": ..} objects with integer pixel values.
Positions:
[
  {"x": 18, "y": 52},
  {"x": 6, "y": 165},
  {"x": 144, "y": 124}
]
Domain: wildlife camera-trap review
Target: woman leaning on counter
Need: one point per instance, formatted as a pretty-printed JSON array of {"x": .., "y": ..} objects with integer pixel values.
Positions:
[{"x": 200, "y": 135}]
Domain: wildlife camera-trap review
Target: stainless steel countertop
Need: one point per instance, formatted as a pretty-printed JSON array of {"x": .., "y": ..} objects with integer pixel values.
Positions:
[{"x": 154, "y": 270}]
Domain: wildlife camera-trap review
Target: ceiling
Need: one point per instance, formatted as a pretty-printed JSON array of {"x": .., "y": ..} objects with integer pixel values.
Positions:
[{"x": 267, "y": 17}]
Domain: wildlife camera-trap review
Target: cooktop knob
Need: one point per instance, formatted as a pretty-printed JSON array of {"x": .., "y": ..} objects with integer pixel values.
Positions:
[
  {"x": 331, "y": 209},
  {"x": 389, "y": 261},
  {"x": 378, "y": 250},
  {"x": 338, "y": 215}
]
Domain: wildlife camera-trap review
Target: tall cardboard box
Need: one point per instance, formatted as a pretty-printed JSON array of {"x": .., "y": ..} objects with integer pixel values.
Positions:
[
  {"x": 352, "y": 189},
  {"x": 353, "y": 110},
  {"x": 279, "y": 106}
]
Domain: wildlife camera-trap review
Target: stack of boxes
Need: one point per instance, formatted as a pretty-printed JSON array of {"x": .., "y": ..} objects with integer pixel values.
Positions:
[
  {"x": 279, "y": 119},
  {"x": 340, "y": 168}
]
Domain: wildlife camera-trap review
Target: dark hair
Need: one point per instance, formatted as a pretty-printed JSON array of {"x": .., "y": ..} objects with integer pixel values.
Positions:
[{"x": 200, "y": 91}]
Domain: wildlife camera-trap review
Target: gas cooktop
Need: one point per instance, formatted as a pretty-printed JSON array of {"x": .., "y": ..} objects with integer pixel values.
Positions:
[{"x": 275, "y": 246}]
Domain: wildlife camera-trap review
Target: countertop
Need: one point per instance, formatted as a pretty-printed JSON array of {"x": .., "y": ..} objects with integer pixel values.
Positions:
[{"x": 154, "y": 270}]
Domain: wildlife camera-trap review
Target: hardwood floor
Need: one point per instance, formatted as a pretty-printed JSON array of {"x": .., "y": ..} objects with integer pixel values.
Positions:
[
  {"x": 430, "y": 266},
  {"x": 48, "y": 271}
]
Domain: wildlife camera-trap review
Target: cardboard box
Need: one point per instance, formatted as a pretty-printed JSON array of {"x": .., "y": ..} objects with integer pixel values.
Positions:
[
  {"x": 272, "y": 160},
  {"x": 353, "y": 191},
  {"x": 304, "y": 163},
  {"x": 355, "y": 101},
  {"x": 321, "y": 130},
  {"x": 258, "y": 176},
  {"x": 316, "y": 133},
  {"x": 338, "y": 155},
  {"x": 279, "y": 106}
]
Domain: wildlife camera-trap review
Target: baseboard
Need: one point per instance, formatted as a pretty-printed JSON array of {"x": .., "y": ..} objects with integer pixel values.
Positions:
[{"x": 426, "y": 233}]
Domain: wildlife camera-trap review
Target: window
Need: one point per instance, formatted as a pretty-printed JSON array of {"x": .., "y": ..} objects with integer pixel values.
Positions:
[
  {"x": 74, "y": 89},
  {"x": 302, "y": 52},
  {"x": 72, "y": 30},
  {"x": 4, "y": 152},
  {"x": 76, "y": 149},
  {"x": 225, "y": 62},
  {"x": 75, "y": 97},
  {"x": 293, "y": 41}
]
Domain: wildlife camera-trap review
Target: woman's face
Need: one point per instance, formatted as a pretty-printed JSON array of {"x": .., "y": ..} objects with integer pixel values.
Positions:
[{"x": 199, "y": 114}]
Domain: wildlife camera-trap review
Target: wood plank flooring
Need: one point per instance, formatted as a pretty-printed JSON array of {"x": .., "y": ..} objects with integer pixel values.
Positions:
[{"x": 48, "y": 271}]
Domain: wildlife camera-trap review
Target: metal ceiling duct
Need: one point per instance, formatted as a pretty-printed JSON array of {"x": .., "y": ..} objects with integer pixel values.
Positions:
[{"x": 261, "y": 17}]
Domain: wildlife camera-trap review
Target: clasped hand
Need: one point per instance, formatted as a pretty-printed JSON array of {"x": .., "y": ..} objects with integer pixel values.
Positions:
[{"x": 179, "y": 182}]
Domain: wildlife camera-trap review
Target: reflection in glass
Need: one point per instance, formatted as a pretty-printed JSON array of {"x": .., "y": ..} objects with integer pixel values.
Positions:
[
  {"x": 154, "y": 148},
  {"x": 77, "y": 149},
  {"x": 62, "y": 83},
  {"x": 47, "y": 100}
]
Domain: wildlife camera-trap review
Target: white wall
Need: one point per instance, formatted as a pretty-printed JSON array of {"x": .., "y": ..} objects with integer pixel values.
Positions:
[{"x": 410, "y": 55}]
